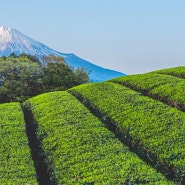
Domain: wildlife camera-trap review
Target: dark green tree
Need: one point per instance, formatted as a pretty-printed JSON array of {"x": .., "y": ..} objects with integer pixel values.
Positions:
[
  {"x": 20, "y": 78},
  {"x": 31, "y": 57},
  {"x": 58, "y": 76}
]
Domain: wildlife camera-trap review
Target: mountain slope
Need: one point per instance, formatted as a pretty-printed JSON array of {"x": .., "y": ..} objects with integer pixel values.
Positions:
[{"x": 13, "y": 41}]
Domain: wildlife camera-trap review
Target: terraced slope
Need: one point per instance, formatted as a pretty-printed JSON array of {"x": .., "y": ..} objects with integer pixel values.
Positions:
[
  {"x": 176, "y": 71},
  {"x": 16, "y": 165},
  {"x": 165, "y": 88},
  {"x": 150, "y": 128},
  {"x": 79, "y": 149}
]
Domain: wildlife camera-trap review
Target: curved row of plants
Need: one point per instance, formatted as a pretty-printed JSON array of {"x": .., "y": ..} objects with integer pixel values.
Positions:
[
  {"x": 165, "y": 88},
  {"x": 80, "y": 150},
  {"x": 176, "y": 71},
  {"x": 16, "y": 165},
  {"x": 152, "y": 129}
]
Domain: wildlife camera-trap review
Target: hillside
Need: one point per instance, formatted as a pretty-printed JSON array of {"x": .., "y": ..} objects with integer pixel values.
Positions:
[
  {"x": 129, "y": 130},
  {"x": 13, "y": 41}
]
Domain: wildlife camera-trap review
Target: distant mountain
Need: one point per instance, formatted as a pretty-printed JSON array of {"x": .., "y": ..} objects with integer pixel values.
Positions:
[{"x": 13, "y": 41}]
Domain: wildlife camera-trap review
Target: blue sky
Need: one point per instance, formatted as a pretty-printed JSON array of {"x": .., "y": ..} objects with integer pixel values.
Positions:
[{"x": 131, "y": 36}]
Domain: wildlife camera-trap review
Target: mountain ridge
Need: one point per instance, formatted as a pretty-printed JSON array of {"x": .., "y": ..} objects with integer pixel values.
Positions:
[{"x": 13, "y": 41}]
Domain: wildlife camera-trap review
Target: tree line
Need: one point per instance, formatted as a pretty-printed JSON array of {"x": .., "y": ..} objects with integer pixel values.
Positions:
[{"x": 23, "y": 76}]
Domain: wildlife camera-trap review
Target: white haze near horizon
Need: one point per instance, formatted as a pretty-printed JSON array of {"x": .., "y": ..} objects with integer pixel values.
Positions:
[{"x": 129, "y": 36}]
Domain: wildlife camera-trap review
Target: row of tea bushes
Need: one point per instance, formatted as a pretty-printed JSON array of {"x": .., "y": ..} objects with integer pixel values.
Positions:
[
  {"x": 176, "y": 71},
  {"x": 153, "y": 129},
  {"x": 80, "y": 150},
  {"x": 165, "y": 88},
  {"x": 16, "y": 165}
]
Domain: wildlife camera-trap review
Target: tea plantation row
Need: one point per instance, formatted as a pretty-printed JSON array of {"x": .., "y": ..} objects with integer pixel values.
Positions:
[
  {"x": 80, "y": 150},
  {"x": 165, "y": 88},
  {"x": 16, "y": 165},
  {"x": 152, "y": 129},
  {"x": 176, "y": 71}
]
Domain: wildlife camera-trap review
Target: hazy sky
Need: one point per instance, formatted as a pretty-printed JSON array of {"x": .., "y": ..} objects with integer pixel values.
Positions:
[{"x": 131, "y": 36}]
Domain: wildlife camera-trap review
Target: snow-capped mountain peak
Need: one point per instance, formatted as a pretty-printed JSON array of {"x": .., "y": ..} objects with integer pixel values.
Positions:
[
  {"x": 9, "y": 36},
  {"x": 13, "y": 41},
  {"x": 5, "y": 37}
]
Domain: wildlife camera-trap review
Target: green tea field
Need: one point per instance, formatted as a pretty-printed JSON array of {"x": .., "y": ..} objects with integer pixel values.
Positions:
[{"x": 125, "y": 131}]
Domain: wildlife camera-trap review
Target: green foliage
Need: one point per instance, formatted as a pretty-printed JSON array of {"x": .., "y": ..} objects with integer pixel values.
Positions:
[
  {"x": 167, "y": 89},
  {"x": 81, "y": 75},
  {"x": 176, "y": 71},
  {"x": 30, "y": 57},
  {"x": 52, "y": 59},
  {"x": 20, "y": 78},
  {"x": 155, "y": 130},
  {"x": 80, "y": 150},
  {"x": 58, "y": 76},
  {"x": 16, "y": 165}
]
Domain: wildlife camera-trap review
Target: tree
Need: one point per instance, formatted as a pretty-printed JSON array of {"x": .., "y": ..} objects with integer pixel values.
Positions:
[
  {"x": 58, "y": 76},
  {"x": 20, "y": 78},
  {"x": 30, "y": 57},
  {"x": 81, "y": 75},
  {"x": 52, "y": 59}
]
